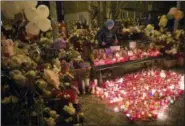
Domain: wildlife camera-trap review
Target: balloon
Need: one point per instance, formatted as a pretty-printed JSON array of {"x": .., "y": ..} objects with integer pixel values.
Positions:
[
  {"x": 31, "y": 28},
  {"x": 31, "y": 13},
  {"x": 44, "y": 24},
  {"x": 173, "y": 11},
  {"x": 30, "y": 4},
  {"x": 43, "y": 11},
  {"x": 179, "y": 15},
  {"x": 170, "y": 17}
]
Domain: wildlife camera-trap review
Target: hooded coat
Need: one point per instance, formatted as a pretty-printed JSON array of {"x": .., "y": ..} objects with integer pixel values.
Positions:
[{"x": 107, "y": 36}]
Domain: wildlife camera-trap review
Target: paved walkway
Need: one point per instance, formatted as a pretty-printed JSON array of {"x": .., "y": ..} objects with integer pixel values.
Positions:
[{"x": 96, "y": 112}]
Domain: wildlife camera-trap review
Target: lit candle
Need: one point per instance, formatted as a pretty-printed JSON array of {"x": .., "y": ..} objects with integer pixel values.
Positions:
[{"x": 83, "y": 87}]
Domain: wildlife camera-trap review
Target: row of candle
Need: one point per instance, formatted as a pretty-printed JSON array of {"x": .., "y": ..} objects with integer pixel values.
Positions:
[{"x": 108, "y": 57}]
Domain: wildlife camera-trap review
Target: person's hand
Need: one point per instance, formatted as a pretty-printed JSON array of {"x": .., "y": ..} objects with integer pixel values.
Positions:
[{"x": 103, "y": 43}]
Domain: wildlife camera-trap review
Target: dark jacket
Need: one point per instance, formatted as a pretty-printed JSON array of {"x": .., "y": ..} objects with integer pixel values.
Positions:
[{"x": 107, "y": 36}]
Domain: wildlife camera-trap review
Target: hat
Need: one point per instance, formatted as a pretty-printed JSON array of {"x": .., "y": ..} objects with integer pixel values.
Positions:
[{"x": 109, "y": 22}]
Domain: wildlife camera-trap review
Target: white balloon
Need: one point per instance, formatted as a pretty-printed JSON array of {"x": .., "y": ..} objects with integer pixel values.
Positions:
[
  {"x": 31, "y": 13},
  {"x": 43, "y": 11},
  {"x": 36, "y": 19},
  {"x": 31, "y": 28},
  {"x": 30, "y": 4},
  {"x": 44, "y": 24}
]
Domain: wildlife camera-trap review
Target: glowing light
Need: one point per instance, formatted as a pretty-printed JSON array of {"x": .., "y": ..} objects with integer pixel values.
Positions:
[
  {"x": 162, "y": 116},
  {"x": 120, "y": 80},
  {"x": 153, "y": 91},
  {"x": 123, "y": 92},
  {"x": 181, "y": 83},
  {"x": 116, "y": 109},
  {"x": 172, "y": 87},
  {"x": 162, "y": 74},
  {"x": 128, "y": 115},
  {"x": 122, "y": 107}
]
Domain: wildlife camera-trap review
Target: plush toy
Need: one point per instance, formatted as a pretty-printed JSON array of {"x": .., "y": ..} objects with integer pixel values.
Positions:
[
  {"x": 52, "y": 78},
  {"x": 8, "y": 48},
  {"x": 69, "y": 109}
]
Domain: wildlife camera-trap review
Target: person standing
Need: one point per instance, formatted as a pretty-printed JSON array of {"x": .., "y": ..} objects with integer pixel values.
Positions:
[{"x": 106, "y": 36}]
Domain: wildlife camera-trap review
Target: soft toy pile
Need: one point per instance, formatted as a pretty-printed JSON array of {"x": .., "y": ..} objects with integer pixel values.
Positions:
[{"x": 144, "y": 95}]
